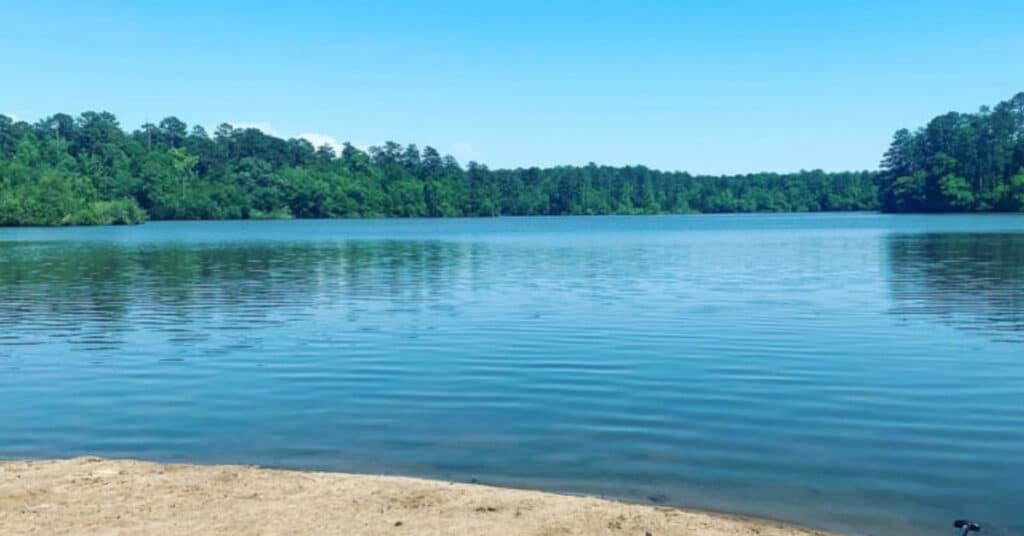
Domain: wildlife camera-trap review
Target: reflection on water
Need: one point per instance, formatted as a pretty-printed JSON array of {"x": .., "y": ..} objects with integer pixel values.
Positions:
[
  {"x": 973, "y": 281},
  {"x": 854, "y": 372},
  {"x": 90, "y": 294}
]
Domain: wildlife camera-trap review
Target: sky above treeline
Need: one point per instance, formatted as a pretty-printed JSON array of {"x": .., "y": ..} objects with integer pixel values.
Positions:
[{"x": 715, "y": 86}]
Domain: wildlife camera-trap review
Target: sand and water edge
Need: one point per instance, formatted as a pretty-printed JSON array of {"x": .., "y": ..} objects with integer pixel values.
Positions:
[{"x": 95, "y": 496}]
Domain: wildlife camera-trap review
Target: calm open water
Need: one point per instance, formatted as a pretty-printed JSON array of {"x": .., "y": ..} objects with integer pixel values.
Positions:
[{"x": 854, "y": 372}]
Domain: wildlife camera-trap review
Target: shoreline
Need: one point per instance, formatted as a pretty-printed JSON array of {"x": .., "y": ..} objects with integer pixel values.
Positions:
[{"x": 89, "y": 495}]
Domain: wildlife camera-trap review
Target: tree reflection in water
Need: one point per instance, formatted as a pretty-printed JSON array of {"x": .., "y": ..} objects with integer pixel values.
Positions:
[{"x": 969, "y": 281}]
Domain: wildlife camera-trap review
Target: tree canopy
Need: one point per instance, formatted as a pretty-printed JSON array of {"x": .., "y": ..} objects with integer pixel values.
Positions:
[
  {"x": 958, "y": 163},
  {"x": 88, "y": 170}
]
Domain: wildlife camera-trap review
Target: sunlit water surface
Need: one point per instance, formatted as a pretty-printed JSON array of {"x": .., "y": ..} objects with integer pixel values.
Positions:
[{"x": 859, "y": 373}]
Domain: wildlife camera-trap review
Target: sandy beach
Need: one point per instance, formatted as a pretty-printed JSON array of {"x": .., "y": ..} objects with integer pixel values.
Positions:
[{"x": 98, "y": 496}]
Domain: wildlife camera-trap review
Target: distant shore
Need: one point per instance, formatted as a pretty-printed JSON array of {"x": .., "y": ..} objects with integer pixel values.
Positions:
[{"x": 98, "y": 496}]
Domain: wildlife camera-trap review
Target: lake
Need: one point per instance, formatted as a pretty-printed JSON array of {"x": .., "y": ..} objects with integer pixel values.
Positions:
[{"x": 855, "y": 372}]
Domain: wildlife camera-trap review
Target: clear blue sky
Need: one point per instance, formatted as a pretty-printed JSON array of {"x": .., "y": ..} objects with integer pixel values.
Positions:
[{"x": 714, "y": 86}]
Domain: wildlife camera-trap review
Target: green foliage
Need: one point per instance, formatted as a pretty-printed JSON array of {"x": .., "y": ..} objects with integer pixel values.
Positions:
[
  {"x": 117, "y": 212},
  {"x": 909, "y": 192},
  {"x": 956, "y": 192},
  {"x": 958, "y": 162},
  {"x": 87, "y": 170},
  {"x": 279, "y": 214},
  {"x": 48, "y": 198},
  {"x": 1015, "y": 192}
]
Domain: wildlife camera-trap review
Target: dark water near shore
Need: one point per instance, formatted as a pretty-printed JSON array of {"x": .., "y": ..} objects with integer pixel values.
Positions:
[{"x": 860, "y": 373}]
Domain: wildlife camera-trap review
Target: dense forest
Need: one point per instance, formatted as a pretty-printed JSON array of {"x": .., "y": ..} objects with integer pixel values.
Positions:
[
  {"x": 958, "y": 162},
  {"x": 87, "y": 170}
]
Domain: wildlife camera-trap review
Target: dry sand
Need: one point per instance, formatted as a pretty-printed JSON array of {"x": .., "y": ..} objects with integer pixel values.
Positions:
[{"x": 96, "y": 496}]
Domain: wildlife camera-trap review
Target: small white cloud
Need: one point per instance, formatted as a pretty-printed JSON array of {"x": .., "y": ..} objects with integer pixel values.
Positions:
[
  {"x": 14, "y": 117},
  {"x": 315, "y": 138},
  {"x": 319, "y": 140},
  {"x": 262, "y": 126},
  {"x": 464, "y": 151}
]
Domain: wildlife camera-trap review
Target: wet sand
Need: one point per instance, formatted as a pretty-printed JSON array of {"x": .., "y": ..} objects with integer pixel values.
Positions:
[{"x": 91, "y": 496}]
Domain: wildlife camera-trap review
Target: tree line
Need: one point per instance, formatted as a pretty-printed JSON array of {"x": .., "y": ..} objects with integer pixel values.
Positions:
[
  {"x": 958, "y": 162},
  {"x": 65, "y": 170},
  {"x": 88, "y": 170}
]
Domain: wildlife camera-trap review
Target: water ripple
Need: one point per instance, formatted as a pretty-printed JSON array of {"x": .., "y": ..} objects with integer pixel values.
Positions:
[{"x": 858, "y": 373}]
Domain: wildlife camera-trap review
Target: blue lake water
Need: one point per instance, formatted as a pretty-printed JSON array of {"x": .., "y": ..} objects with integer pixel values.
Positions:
[{"x": 854, "y": 372}]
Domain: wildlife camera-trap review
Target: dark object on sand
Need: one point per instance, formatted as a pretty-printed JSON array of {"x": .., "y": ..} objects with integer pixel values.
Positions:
[{"x": 966, "y": 526}]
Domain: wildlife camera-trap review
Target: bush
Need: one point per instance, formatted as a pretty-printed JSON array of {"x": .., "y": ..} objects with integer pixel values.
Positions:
[
  {"x": 283, "y": 213},
  {"x": 117, "y": 212}
]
